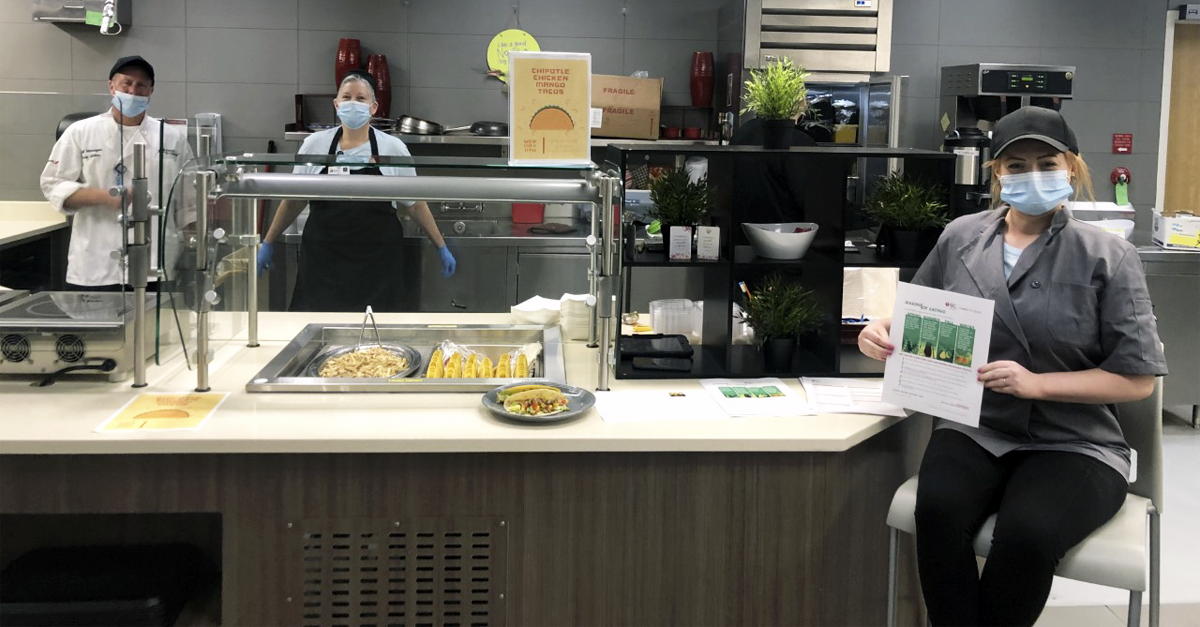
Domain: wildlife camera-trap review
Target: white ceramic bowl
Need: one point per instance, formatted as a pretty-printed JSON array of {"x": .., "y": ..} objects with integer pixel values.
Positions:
[{"x": 778, "y": 240}]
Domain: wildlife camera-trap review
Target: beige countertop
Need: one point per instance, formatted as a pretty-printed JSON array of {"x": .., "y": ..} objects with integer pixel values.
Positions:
[
  {"x": 61, "y": 419},
  {"x": 21, "y": 220}
]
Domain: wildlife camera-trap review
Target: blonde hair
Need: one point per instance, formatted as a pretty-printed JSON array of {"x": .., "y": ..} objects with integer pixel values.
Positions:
[{"x": 1081, "y": 179}]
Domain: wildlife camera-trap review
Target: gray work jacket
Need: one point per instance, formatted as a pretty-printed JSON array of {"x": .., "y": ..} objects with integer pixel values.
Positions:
[{"x": 1075, "y": 300}]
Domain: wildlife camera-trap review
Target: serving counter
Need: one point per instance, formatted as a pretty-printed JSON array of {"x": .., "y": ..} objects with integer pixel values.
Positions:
[{"x": 464, "y": 518}]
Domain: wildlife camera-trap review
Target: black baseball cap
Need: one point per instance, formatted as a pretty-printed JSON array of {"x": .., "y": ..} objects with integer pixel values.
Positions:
[
  {"x": 1033, "y": 122},
  {"x": 365, "y": 75},
  {"x": 135, "y": 61}
]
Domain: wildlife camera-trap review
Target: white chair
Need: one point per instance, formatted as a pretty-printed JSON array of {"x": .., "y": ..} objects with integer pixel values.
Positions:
[{"x": 1123, "y": 553}]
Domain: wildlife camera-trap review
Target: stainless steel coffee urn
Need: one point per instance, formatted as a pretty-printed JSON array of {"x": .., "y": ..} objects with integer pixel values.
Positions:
[{"x": 973, "y": 97}]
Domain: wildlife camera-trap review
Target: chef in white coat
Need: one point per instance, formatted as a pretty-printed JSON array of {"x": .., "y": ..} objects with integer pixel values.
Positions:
[{"x": 95, "y": 154}]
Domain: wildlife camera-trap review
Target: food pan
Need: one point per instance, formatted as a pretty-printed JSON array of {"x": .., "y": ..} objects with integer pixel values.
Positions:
[{"x": 407, "y": 353}]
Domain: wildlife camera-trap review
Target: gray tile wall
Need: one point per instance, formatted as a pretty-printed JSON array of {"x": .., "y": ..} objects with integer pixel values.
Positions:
[
  {"x": 248, "y": 58},
  {"x": 1117, "y": 47}
]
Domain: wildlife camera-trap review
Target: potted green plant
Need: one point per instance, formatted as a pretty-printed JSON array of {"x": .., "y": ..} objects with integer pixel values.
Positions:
[
  {"x": 680, "y": 203},
  {"x": 776, "y": 96},
  {"x": 911, "y": 214},
  {"x": 780, "y": 311}
]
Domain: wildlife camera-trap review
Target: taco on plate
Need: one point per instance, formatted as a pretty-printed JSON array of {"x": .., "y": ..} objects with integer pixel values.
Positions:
[{"x": 537, "y": 402}]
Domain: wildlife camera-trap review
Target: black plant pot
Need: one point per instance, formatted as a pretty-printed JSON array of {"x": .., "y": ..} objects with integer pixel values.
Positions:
[
  {"x": 777, "y": 134},
  {"x": 910, "y": 245},
  {"x": 778, "y": 353}
]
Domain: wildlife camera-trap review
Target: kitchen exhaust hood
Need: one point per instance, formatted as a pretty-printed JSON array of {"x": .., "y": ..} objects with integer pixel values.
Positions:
[{"x": 823, "y": 36}]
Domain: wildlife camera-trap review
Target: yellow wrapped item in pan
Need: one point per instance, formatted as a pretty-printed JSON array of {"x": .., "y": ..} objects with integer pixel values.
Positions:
[
  {"x": 472, "y": 365},
  {"x": 522, "y": 368},
  {"x": 485, "y": 369},
  {"x": 454, "y": 367},
  {"x": 436, "y": 367},
  {"x": 502, "y": 368}
]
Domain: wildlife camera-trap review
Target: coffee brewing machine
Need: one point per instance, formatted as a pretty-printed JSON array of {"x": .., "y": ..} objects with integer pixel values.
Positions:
[{"x": 973, "y": 98}]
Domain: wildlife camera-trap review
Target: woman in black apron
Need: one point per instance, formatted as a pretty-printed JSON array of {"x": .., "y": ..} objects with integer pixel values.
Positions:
[{"x": 350, "y": 252}]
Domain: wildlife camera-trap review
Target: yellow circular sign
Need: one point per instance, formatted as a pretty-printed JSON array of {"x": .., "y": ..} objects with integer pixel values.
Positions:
[{"x": 504, "y": 42}]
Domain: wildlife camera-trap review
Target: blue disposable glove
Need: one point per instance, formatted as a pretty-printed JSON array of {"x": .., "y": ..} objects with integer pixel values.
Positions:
[
  {"x": 265, "y": 255},
  {"x": 448, "y": 263}
]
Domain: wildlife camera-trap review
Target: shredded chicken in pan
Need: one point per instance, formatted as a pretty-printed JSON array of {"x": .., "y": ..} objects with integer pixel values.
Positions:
[{"x": 373, "y": 362}]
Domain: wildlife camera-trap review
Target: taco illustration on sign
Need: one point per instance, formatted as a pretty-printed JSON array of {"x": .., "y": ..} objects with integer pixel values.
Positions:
[{"x": 551, "y": 118}]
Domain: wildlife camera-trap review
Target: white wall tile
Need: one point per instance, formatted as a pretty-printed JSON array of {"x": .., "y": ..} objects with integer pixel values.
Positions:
[
  {"x": 257, "y": 14},
  {"x": 159, "y": 13},
  {"x": 239, "y": 55},
  {"x": 389, "y": 16},
  {"x": 93, "y": 54},
  {"x": 39, "y": 51},
  {"x": 573, "y": 18},
  {"x": 23, "y": 158},
  {"x": 466, "y": 17},
  {"x": 248, "y": 110},
  {"x": 450, "y": 62}
]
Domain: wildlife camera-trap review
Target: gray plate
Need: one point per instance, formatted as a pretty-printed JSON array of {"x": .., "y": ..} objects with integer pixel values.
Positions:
[
  {"x": 407, "y": 353},
  {"x": 579, "y": 400}
]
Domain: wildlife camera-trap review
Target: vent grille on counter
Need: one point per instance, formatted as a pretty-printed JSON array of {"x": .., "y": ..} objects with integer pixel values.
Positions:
[
  {"x": 15, "y": 347},
  {"x": 69, "y": 348},
  {"x": 381, "y": 573}
]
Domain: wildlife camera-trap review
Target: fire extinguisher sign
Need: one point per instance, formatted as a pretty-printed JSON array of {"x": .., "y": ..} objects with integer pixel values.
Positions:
[{"x": 1122, "y": 143}]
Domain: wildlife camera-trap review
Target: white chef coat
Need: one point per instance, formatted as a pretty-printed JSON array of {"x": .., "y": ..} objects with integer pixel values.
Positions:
[{"x": 86, "y": 156}]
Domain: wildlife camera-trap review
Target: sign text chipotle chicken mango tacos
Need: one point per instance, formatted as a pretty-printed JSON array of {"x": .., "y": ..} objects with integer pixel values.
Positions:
[{"x": 549, "y": 106}]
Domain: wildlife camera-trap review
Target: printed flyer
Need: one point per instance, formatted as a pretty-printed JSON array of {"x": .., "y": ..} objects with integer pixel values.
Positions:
[
  {"x": 941, "y": 340},
  {"x": 549, "y": 107}
]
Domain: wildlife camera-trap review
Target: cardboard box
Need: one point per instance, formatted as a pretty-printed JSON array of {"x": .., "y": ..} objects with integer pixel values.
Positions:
[
  {"x": 1180, "y": 231},
  {"x": 630, "y": 106}
]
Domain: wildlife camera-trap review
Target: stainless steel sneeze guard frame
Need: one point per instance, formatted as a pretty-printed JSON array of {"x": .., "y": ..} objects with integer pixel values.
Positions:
[
  {"x": 280, "y": 185},
  {"x": 285, "y": 372}
]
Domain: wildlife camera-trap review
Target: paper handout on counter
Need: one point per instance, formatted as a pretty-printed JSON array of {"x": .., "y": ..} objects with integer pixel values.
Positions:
[
  {"x": 657, "y": 405},
  {"x": 755, "y": 397},
  {"x": 941, "y": 340},
  {"x": 839, "y": 395},
  {"x": 164, "y": 412}
]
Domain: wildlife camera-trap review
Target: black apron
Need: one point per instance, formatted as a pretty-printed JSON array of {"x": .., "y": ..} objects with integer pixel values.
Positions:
[{"x": 350, "y": 253}]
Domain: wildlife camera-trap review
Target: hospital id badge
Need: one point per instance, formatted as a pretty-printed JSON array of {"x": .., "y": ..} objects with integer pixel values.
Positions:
[{"x": 339, "y": 170}]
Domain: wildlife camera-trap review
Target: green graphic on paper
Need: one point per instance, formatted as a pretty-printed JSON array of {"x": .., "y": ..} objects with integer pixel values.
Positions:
[
  {"x": 770, "y": 391},
  {"x": 911, "y": 335},
  {"x": 929, "y": 336},
  {"x": 947, "y": 334},
  {"x": 964, "y": 345}
]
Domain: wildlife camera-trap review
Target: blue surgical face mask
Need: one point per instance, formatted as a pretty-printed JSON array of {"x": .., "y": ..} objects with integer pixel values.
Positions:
[
  {"x": 354, "y": 114},
  {"x": 1036, "y": 193},
  {"x": 130, "y": 105}
]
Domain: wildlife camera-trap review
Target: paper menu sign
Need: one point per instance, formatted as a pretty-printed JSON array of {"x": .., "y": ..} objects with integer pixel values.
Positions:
[
  {"x": 164, "y": 412},
  {"x": 550, "y": 95},
  {"x": 941, "y": 340}
]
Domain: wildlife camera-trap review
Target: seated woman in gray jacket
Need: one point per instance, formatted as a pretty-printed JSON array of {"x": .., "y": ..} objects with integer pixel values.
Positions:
[{"x": 1072, "y": 334}]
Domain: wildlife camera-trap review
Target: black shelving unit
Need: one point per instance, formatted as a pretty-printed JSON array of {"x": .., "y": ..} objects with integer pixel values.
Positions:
[{"x": 826, "y": 201}]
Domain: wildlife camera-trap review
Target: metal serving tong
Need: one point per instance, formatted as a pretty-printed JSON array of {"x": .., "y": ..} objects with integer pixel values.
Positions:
[{"x": 370, "y": 315}]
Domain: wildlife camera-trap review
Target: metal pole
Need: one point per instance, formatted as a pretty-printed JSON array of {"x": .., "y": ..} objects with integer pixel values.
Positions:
[
  {"x": 202, "y": 190},
  {"x": 246, "y": 226},
  {"x": 594, "y": 261},
  {"x": 604, "y": 302},
  {"x": 139, "y": 261},
  {"x": 450, "y": 188}
]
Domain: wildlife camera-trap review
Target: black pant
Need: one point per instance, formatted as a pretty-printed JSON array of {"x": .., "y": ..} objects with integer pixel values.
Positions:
[
  {"x": 116, "y": 287},
  {"x": 1047, "y": 502}
]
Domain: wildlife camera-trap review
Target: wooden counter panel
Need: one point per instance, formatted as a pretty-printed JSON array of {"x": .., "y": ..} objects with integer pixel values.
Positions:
[{"x": 592, "y": 538}]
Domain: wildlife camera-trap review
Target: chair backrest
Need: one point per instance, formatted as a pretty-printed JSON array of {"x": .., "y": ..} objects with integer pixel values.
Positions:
[
  {"x": 1141, "y": 422},
  {"x": 70, "y": 119}
]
